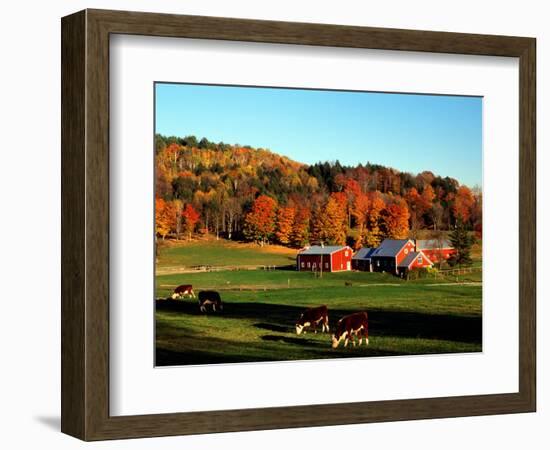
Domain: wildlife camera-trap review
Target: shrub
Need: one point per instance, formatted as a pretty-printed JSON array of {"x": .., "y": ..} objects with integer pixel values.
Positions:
[{"x": 420, "y": 273}]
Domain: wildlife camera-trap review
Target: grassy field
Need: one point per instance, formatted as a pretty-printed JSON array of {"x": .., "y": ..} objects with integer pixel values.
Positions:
[
  {"x": 261, "y": 306},
  {"x": 223, "y": 253}
]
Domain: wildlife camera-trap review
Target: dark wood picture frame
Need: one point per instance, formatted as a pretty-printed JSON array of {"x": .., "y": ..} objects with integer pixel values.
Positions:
[{"x": 85, "y": 224}]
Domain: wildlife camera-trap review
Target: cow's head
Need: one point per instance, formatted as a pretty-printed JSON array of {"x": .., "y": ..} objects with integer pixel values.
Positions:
[
  {"x": 300, "y": 325},
  {"x": 337, "y": 338}
]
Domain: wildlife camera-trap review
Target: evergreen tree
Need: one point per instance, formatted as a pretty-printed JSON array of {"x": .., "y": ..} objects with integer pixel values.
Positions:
[{"x": 462, "y": 242}]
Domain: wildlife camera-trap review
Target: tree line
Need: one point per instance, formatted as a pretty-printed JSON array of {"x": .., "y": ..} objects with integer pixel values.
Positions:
[{"x": 240, "y": 192}]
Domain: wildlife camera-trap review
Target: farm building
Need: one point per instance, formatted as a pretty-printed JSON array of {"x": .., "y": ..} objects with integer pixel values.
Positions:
[
  {"x": 362, "y": 259},
  {"x": 414, "y": 260},
  {"x": 397, "y": 256},
  {"x": 390, "y": 253},
  {"x": 435, "y": 249},
  {"x": 332, "y": 258}
]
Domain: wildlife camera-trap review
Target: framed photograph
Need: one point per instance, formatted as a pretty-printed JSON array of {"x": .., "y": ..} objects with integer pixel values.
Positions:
[{"x": 273, "y": 225}]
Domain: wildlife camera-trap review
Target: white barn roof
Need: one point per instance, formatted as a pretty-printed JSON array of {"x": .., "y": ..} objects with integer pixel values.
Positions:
[{"x": 319, "y": 250}]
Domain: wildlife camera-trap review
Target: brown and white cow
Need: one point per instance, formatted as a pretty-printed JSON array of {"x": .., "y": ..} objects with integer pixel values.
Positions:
[
  {"x": 311, "y": 318},
  {"x": 356, "y": 324},
  {"x": 210, "y": 298},
  {"x": 183, "y": 290}
]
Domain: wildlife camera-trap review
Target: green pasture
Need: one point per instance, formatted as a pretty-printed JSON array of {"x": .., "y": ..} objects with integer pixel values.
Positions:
[
  {"x": 260, "y": 308},
  {"x": 223, "y": 253},
  {"x": 258, "y": 279}
]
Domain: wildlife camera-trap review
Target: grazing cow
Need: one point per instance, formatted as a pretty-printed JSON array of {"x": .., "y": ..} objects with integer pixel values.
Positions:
[
  {"x": 311, "y": 318},
  {"x": 182, "y": 290},
  {"x": 356, "y": 324},
  {"x": 210, "y": 298}
]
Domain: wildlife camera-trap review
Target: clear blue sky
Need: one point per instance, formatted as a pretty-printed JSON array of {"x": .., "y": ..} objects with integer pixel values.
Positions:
[{"x": 411, "y": 133}]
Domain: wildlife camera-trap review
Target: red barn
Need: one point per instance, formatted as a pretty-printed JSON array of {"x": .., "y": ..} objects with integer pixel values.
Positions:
[
  {"x": 390, "y": 253},
  {"x": 331, "y": 258},
  {"x": 435, "y": 249},
  {"x": 413, "y": 260},
  {"x": 396, "y": 256}
]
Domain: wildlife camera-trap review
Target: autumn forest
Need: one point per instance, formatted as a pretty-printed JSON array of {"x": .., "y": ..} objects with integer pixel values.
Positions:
[{"x": 243, "y": 193}]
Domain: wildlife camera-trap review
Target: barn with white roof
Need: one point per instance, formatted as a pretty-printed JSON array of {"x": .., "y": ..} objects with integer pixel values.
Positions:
[{"x": 321, "y": 258}]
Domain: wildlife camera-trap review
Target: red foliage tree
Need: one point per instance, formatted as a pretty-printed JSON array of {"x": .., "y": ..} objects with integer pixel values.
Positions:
[{"x": 190, "y": 218}]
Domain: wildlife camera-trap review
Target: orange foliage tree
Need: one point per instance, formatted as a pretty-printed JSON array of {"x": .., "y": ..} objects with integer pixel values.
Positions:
[
  {"x": 330, "y": 222},
  {"x": 259, "y": 223},
  {"x": 373, "y": 234},
  {"x": 428, "y": 196},
  {"x": 463, "y": 203},
  {"x": 359, "y": 212},
  {"x": 165, "y": 217},
  {"x": 300, "y": 228},
  {"x": 414, "y": 201},
  {"x": 352, "y": 189},
  {"x": 285, "y": 222},
  {"x": 396, "y": 218},
  {"x": 419, "y": 205}
]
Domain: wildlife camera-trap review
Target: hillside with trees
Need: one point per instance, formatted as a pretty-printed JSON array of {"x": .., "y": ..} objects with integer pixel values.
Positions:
[{"x": 243, "y": 193}]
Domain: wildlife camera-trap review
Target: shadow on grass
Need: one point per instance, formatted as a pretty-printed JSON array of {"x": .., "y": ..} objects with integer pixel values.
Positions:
[
  {"x": 287, "y": 340},
  {"x": 291, "y": 267},
  {"x": 316, "y": 351},
  {"x": 388, "y": 323},
  {"x": 184, "y": 306},
  {"x": 274, "y": 328},
  {"x": 406, "y": 324},
  {"x": 166, "y": 357}
]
